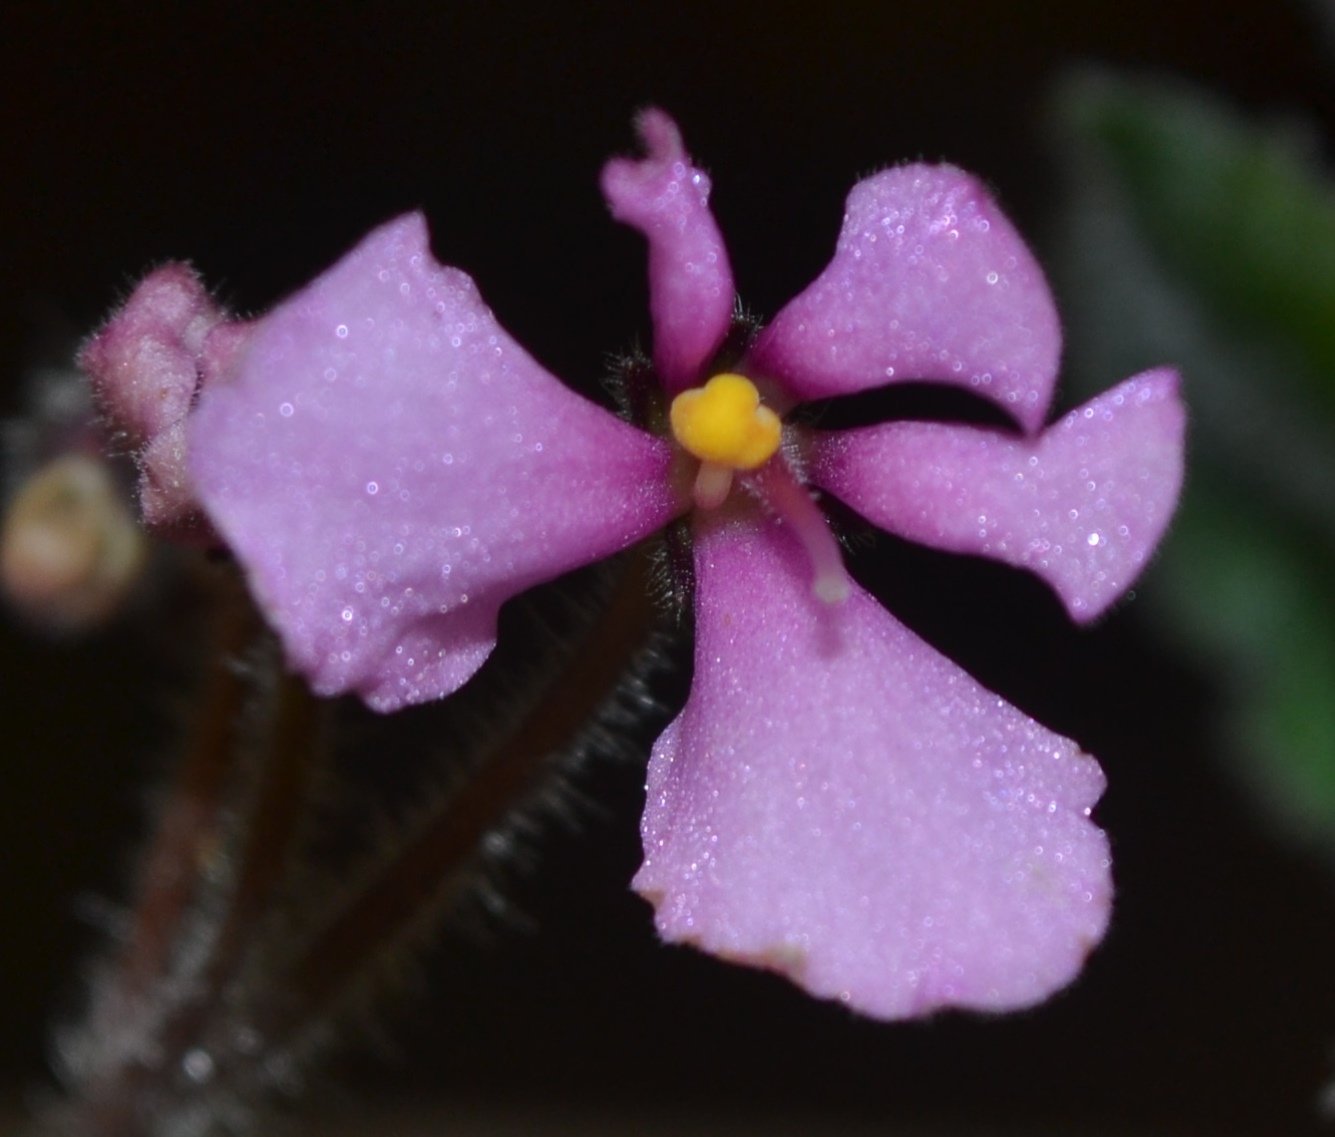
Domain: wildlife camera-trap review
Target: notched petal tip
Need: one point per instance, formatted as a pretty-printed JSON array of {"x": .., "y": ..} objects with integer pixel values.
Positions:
[
  {"x": 660, "y": 135},
  {"x": 1083, "y": 505},
  {"x": 633, "y": 187},
  {"x": 691, "y": 291}
]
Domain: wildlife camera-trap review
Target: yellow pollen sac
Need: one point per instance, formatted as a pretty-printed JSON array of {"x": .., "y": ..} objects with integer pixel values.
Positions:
[{"x": 724, "y": 423}]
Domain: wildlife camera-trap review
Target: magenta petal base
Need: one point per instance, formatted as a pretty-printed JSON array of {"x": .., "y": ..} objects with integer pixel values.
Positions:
[{"x": 841, "y": 804}]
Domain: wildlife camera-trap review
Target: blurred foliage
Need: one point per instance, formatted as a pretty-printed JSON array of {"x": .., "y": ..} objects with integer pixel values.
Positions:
[{"x": 1196, "y": 237}]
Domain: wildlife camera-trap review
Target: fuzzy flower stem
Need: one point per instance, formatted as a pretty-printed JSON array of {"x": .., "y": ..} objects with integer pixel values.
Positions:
[
  {"x": 229, "y": 823},
  {"x": 208, "y": 1000},
  {"x": 132, "y": 1011},
  {"x": 293, "y": 745},
  {"x": 189, "y": 834},
  {"x": 432, "y": 866}
]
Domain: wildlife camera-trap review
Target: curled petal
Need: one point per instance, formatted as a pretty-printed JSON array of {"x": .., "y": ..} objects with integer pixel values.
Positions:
[
  {"x": 929, "y": 281},
  {"x": 1083, "y": 505},
  {"x": 144, "y": 362},
  {"x": 147, "y": 366},
  {"x": 166, "y": 495},
  {"x": 390, "y": 466},
  {"x": 841, "y": 804},
  {"x": 690, "y": 280}
]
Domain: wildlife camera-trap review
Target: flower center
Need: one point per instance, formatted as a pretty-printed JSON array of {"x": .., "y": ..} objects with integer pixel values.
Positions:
[
  {"x": 723, "y": 422},
  {"x": 724, "y": 425}
]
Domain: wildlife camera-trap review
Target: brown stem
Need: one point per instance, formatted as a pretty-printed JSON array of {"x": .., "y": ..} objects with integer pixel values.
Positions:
[
  {"x": 270, "y": 824},
  {"x": 231, "y": 805},
  {"x": 169, "y": 1000},
  {"x": 189, "y": 834},
  {"x": 430, "y": 862},
  {"x": 285, "y": 764}
]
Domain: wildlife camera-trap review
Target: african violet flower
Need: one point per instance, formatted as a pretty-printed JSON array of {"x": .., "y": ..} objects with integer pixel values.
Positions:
[{"x": 836, "y": 801}]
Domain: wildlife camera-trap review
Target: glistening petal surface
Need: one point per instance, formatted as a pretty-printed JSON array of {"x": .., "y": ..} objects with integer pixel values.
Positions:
[
  {"x": 929, "y": 280},
  {"x": 690, "y": 280},
  {"x": 840, "y": 803},
  {"x": 1083, "y": 505},
  {"x": 390, "y": 466}
]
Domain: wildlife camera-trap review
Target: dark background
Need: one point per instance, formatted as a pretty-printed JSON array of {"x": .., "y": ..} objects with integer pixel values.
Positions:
[{"x": 260, "y": 145}]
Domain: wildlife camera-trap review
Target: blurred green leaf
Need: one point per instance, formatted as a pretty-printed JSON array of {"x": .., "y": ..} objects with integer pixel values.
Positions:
[
  {"x": 1256, "y": 603},
  {"x": 1236, "y": 208},
  {"x": 1192, "y": 236}
]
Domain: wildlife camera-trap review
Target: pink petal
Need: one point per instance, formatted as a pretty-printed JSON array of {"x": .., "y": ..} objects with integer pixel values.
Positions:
[
  {"x": 690, "y": 280},
  {"x": 929, "y": 281},
  {"x": 1083, "y": 505},
  {"x": 390, "y": 467},
  {"x": 843, "y": 805}
]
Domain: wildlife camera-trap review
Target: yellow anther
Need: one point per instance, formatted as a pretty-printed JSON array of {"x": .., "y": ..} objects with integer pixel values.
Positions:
[{"x": 724, "y": 423}]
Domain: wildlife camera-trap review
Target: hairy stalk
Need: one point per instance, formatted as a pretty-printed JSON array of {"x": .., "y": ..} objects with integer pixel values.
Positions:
[
  {"x": 188, "y": 835},
  {"x": 209, "y": 1007},
  {"x": 435, "y": 863},
  {"x": 294, "y": 743},
  {"x": 227, "y": 821}
]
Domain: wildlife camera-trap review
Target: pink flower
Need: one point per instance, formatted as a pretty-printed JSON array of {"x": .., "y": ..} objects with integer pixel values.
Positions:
[{"x": 836, "y": 801}]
